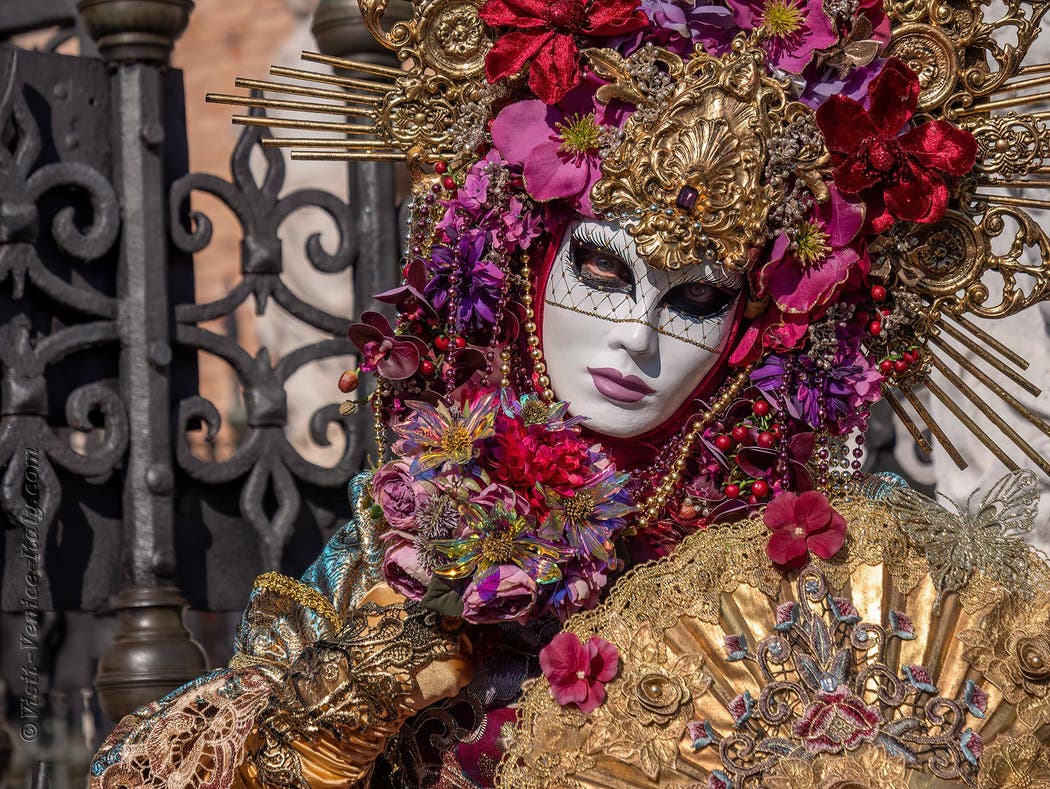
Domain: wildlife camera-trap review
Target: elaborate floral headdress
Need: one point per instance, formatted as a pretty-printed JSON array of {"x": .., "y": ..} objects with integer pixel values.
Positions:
[{"x": 847, "y": 156}]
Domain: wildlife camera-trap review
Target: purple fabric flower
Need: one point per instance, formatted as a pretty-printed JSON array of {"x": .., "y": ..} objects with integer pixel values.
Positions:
[
  {"x": 556, "y": 146},
  {"x": 506, "y": 593},
  {"x": 827, "y": 249},
  {"x": 403, "y": 571},
  {"x": 846, "y": 388},
  {"x": 680, "y": 25},
  {"x": 581, "y": 585},
  {"x": 398, "y": 495},
  {"x": 795, "y": 29},
  {"x": 479, "y": 281},
  {"x": 822, "y": 84}
]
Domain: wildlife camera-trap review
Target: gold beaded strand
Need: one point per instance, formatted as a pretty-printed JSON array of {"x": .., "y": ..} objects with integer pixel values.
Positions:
[
  {"x": 655, "y": 503},
  {"x": 532, "y": 339}
]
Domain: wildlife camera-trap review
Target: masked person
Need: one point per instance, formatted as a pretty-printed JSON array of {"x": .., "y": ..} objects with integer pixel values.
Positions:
[{"x": 662, "y": 258}]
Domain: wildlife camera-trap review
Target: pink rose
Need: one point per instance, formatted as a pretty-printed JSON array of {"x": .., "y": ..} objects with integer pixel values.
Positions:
[
  {"x": 504, "y": 594},
  {"x": 398, "y": 495},
  {"x": 403, "y": 572}
]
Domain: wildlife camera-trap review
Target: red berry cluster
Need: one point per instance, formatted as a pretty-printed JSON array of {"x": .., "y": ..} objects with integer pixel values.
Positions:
[{"x": 743, "y": 434}]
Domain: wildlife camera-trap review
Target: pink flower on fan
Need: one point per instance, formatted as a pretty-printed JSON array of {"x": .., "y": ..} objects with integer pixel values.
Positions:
[
  {"x": 795, "y": 29},
  {"x": 837, "y": 720},
  {"x": 809, "y": 270},
  {"x": 578, "y": 671},
  {"x": 556, "y": 146},
  {"x": 801, "y": 525}
]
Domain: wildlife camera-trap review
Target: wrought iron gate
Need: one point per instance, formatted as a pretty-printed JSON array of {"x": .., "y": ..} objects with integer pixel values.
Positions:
[{"x": 105, "y": 503}]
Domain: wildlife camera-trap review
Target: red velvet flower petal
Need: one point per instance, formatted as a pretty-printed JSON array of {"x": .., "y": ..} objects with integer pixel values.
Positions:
[
  {"x": 514, "y": 13},
  {"x": 894, "y": 97},
  {"x": 615, "y": 17},
  {"x": 845, "y": 124},
  {"x": 942, "y": 146},
  {"x": 853, "y": 176},
  {"x": 511, "y": 52},
  {"x": 556, "y": 69},
  {"x": 918, "y": 196}
]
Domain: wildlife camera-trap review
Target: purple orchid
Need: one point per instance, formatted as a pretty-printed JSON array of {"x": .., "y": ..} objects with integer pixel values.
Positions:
[
  {"x": 408, "y": 298},
  {"x": 393, "y": 357},
  {"x": 557, "y": 146},
  {"x": 808, "y": 271},
  {"x": 795, "y": 29},
  {"x": 823, "y": 83}
]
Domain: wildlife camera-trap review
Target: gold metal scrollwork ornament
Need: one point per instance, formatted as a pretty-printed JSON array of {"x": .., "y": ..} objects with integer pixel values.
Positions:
[{"x": 931, "y": 55}]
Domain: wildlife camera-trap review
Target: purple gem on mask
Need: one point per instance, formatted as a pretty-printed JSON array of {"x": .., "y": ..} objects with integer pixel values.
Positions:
[{"x": 686, "y": 199}]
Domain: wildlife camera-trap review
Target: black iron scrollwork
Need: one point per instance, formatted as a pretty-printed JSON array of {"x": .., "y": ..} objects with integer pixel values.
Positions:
[
  {"x": 265, "y": 459},
  {"x": 55, "y": 218}
]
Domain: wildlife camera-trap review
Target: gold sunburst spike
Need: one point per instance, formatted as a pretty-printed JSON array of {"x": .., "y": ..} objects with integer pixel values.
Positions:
[
  {"x": 336, "y": 143},
  {"x": 361, "y": 66},
  {"x": 331, "y": 79},
  {"x": 303, "y": 90},
  {"x": 985, "y": 354},
  {"x": 344, "y": 110},
  {"x": 967, "y": 364},
  {"x": 931, "y": 423},
  {"x": 969, "y": 424},
  {"x": 1008, "y": 353},
  {"x": 989, "y": 413},
  {"x": 385, "y": 155},
  {"x": 909, "y": 423},
  {"x": 289, "y": 123}
]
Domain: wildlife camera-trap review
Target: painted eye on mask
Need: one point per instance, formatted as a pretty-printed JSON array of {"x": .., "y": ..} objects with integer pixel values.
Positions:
[
  {"x": 698, "y": 300},
  {"x": 599, "y": 269}
]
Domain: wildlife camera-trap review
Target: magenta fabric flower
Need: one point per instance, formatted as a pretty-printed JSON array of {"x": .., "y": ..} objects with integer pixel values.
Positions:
[
  {"x": 578, "y": 671},
  {"x": 800, "y": 525},
  {"x": 682, "y": 25},
  {"x": 506, "y": 593},
  {"x": 809, "y": 270},
  {"x": 403, "y": 571},
  {"x": 795, "y": 29},
  {"x": 837, "y": 720},
  {"x": 398, "y": 495},
  {"x": 556, "y": 146}
]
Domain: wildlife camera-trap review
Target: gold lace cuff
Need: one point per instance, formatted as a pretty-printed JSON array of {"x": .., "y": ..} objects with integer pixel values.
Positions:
[{"x": 344, "y": 697}]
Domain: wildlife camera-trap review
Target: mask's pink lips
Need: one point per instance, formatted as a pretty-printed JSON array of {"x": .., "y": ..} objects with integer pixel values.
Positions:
[{"x": 625, "y": 389}]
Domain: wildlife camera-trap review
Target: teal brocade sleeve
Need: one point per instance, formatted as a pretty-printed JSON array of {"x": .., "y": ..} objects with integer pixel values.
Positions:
[{"x": 194, "y": 737}]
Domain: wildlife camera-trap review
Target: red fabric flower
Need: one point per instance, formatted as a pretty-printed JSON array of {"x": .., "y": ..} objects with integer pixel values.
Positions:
[
  {"x": 545, "y": 34},
  {"x": 801, "y": 524},
  {"x": 521, "y": 458},
  {"x": 578, "y": 671},
  {"x": 901, "y": 177}
]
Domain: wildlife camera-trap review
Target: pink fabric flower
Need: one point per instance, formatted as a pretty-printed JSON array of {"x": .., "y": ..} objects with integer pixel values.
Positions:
[
  {"x": 800, "y": 525},
  {"x": 837, "y": 720},
  {"x": 556, "y": 146},
  {"x": 397, "y": 494},
  {"x": 795, "y": 29},
  {"x": 826, "y": 251},
  {"x": 578, "y": 671},
  {"x": 403, "y": 572},
  {"x": 504, "y": 594}
]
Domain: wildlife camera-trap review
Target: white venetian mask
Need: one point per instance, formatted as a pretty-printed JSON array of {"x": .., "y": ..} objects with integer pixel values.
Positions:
[{"x": 625, "y": 343}]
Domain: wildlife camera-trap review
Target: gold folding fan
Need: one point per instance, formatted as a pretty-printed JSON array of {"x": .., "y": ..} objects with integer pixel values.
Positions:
[{"x": 918, "y": 657}]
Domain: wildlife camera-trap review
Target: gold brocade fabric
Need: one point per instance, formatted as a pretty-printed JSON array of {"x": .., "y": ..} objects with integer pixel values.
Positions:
[{"x": 882, "y": 667}]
